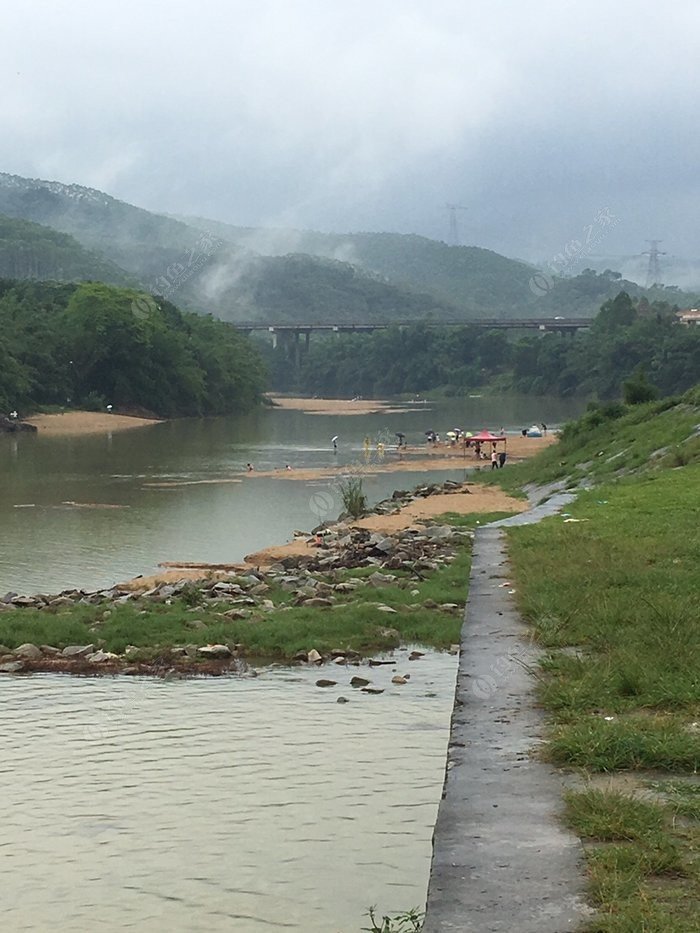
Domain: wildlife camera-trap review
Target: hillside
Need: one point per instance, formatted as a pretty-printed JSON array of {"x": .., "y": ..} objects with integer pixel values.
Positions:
[
  {"x": 478, "y": 282},
  {"x": 203, "y": 272},
  {"x": 241, "y": 273},
  {"x": 30, "y": 251}
]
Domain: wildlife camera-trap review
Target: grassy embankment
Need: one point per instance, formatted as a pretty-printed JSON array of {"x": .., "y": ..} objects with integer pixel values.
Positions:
[
  {"x": 354, "y": 623},
  {"x": 614, "y": 599}
]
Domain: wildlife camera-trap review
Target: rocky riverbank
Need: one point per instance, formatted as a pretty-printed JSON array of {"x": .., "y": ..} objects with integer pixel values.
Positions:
[
  {"x": 317, "y": 578},
  {"x": 14, "y": 426}
]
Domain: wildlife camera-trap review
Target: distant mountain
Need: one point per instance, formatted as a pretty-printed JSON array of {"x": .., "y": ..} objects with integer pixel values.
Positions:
[
  {"x": 205, "y": 272},
  {"x": 31, "y": 251},
  {"x": 143, "y": 243},
  {"x": 241, "y": 273},
  {"x": 477, "y": 282}
]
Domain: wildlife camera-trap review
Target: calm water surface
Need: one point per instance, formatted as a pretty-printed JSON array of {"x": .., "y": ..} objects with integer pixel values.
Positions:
[
  {"x": 230, "y": 804},
  {"x": 47, "y": 543},
  {"x": 234, "y": 804}
]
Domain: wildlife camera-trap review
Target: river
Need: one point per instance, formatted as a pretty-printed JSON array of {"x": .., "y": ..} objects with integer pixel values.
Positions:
[
  {"x": 170, "y": 492},
  {"x": 239, "y": 803}
]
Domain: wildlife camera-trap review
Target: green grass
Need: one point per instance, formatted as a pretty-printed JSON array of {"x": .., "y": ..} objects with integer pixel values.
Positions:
[
  {"x": 622, "y": 585},
  {"x": 613, "y": 596},
  {"x": 645, "y": 437},
  {"x": 642, "y": 867},
  {"x": 354, "y": 622}
]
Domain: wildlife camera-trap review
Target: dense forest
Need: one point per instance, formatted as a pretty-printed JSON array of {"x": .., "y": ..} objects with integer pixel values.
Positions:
[
  {"x": 91, "y": 345},
  {"x": 625, "y": 336},
  {"x": 30, "y": 251},
  {"x": 277, "y": 275}
]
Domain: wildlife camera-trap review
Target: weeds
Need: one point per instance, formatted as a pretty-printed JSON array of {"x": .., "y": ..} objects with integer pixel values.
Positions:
[
  {"x": 409, "y": 922},
  {"x": 354, "y": 499}
]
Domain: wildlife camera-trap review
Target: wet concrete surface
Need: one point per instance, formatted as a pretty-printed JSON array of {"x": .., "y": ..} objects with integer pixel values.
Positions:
[{"x": 502, "y": 861}]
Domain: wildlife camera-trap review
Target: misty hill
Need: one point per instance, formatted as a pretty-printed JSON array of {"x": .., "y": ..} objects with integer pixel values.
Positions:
[
  {"x": 30, "y": 251},
  {"x": 143, "y": 243},
  {"x": 478, "y": 282},
  {"x": 242, "y": 273},
  {"x": 307, "y": 289},
  {"x": 208, "y": 273}
]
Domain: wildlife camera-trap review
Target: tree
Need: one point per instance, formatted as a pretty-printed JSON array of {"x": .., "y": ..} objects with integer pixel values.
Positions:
[{"x": 636, "y": 390}]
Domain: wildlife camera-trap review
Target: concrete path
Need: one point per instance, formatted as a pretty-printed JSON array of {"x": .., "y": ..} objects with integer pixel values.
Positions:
[{"x": 501, "y": 859}]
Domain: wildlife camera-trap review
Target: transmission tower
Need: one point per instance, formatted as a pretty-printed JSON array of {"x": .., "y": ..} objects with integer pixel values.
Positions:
[
  {"x": 653, "y": 272},
  {"x": 454, "y": 225}
]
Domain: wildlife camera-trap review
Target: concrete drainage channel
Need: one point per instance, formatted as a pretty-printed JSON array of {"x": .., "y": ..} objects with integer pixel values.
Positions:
[{"x": 501, "y": 859}]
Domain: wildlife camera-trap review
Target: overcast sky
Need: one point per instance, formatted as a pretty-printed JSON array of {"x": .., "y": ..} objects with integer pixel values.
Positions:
[{"x": 535, "y": 116}]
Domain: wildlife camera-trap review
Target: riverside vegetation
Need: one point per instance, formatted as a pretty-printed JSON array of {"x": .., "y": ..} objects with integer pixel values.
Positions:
[
  {"x": 92, "y": 344},
  {"x": 626, "y": 334},
  {"x": 356, "y": 594},
  {"x": 612, "y": 592}
]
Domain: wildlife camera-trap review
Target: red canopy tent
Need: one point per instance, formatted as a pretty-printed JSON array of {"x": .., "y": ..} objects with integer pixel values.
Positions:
[{"x": 487, "y": 437}]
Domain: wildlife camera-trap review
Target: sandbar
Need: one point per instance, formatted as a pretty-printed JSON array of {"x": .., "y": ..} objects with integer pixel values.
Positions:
[
  {"x": 412, "y": 460},
  {"x": 86, "y": 422},
  {"x": 470, "y": 499},
  {"x": 336, "y": 406}
]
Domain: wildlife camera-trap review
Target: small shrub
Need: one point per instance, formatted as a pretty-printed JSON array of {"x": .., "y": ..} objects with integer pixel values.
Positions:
[
  {"x": 410, "y": 922},
  {"x": 354, "y": 499}
]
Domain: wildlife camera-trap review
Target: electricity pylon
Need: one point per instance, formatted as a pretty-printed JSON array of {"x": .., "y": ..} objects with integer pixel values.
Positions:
[
  {"x": 653, "y": 273},
  {"x": 454, "y": 226}
]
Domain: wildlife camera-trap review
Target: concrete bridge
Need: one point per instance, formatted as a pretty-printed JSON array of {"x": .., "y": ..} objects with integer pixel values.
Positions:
[{"x": 291, "y": 334}]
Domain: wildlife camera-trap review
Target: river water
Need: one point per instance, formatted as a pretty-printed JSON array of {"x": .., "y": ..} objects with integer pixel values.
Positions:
[
  {"x": 170, "y": 492},
  {"x": 234, "y": 804},
  {"x": 237, "y": 803}
]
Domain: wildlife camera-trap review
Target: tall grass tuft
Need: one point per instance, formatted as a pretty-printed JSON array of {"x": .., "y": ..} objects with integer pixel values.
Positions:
[{"x": 354, "y": 499}]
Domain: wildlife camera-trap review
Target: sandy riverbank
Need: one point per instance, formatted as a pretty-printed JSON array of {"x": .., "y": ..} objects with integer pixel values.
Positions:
[
  {"x": 411, "y": 460},
  {"x": 86, "y": 422},
  {"x": 472, "y": 498},
  {"x": 337, "y": 406}
]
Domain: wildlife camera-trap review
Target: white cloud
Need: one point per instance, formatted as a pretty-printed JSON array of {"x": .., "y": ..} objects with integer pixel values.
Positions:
[{"x": 371, "y": 115}]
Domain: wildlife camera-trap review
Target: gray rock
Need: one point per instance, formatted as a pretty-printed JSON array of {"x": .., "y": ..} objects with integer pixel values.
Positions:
[
  {"x": 359, "y": 682},
  {"x": 11, "y": 667},
  {"x": 100, "y": 657},
  {"x": 381, "y": 579},
  {"x": 28, "y": 651},
  {"x": 78, "y": 651},
  {"x": 59, "y": 601},
  {"x": 234, "y": 614},
  {"x": 326, "y": 683},
  {"x": 26, "y": 602},
  {"x": 215, "y": 651}
]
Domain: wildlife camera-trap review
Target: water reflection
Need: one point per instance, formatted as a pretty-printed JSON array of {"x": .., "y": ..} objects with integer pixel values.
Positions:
[
  {"x": 46, "y": 545},
  {"x": 234, "y": 804}
]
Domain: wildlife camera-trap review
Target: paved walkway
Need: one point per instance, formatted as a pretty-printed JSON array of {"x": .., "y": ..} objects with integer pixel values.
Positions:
[{"x": 501, "y": 859}]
